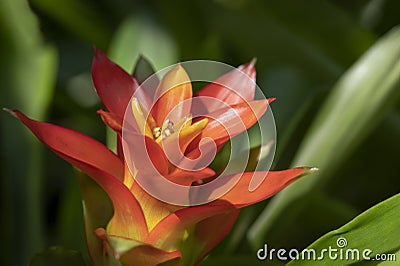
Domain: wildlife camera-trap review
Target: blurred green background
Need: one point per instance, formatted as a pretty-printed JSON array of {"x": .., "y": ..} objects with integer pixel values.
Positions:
[{"x": 337, "y": 105}]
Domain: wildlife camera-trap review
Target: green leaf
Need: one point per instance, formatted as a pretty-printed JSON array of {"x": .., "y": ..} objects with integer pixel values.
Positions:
[
  {"x": 97, "y": 209},
  {"x": 143, "y": 69},
  {"x": 77, "y": 17},
  {"x": 58, "y": 256},
  {"x": 70, "y": 231},
  {"x": 28, "y": 69},
  {"x": 140, "y": 35},
  {"x": 377, "y": 229},
  {"x": 316, "y": 36},
  {"x": 356, "y": 104}
]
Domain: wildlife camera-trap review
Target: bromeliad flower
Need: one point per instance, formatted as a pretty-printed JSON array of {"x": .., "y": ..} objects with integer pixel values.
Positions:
[{"x": 160, "y": 137}]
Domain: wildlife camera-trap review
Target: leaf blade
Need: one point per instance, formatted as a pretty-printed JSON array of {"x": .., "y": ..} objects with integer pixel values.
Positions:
[
  {"x": 366, "y": 231},
  {"x": 345, "y": 119}
]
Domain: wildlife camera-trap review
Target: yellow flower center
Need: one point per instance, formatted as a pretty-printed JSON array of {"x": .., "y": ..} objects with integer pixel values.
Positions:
[
  {"x": 184, "y": 129},
  {"x": 164, "y": 131}
]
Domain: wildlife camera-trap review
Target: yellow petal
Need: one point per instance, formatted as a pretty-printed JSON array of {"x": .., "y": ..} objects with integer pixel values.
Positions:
[
  {"x": 174, "y": 88},
  {"x": 186, "y": 134},
  {"x": 140, "y": 117},
  {"x": 189, "y": 133}
]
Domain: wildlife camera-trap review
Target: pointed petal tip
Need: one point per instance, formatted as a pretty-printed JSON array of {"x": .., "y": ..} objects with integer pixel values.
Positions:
[
  {"x": 98, "y": 54},
  {"x": 178, "y": 73},
  {"x": 96, "y": 50},
  {"x": 249, "y": 67},
  {"x": 309, "y": 170},
  {"x": 12, "y": 112},
  {"x": 313, "y": 169},
  {"x": 270, "y": 100},
  {"x": 179, "y": 68},
  {"x": 141, "y": 57},
  {"x": 253, "y": 62},
  {"x": 110, "y": 120}
]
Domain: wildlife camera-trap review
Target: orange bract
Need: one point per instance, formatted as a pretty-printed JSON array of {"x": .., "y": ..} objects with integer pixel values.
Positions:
[{"x": 142, "y": 228}]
